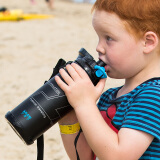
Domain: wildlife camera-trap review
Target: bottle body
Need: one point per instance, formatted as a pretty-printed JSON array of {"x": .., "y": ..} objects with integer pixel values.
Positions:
[{"x": 40, "y": 111}]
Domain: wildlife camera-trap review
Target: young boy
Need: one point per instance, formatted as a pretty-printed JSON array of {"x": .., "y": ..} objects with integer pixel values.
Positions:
[{"x": 129, "y": 44}]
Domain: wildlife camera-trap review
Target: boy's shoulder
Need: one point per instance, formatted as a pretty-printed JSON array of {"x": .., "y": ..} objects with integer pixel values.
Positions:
[{"x": 150, "y": 85}]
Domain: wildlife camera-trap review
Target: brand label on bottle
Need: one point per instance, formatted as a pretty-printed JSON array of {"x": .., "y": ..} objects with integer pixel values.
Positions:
[
  {"x": 43, "y": 114},
  {"x": 26, "y": 115}
]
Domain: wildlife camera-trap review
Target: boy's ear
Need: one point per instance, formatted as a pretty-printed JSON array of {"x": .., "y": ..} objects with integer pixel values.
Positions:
[{"x": 151, "y": 41}]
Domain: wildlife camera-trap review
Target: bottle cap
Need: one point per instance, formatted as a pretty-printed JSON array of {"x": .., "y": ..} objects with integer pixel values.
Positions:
[{"x": 100, "y": 71}]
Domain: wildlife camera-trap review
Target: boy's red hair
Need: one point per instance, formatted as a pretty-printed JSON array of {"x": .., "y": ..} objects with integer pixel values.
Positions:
[{"x": 141, "y": 15}]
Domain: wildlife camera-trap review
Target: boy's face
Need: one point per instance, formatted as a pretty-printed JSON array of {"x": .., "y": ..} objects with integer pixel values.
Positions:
[{"x": 122, "y": 53}]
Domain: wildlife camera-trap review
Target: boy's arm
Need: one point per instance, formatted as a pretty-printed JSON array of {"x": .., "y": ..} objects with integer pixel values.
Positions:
[
  {"x": 108, "y": 145},
  {"x": 83, "y": 148}
]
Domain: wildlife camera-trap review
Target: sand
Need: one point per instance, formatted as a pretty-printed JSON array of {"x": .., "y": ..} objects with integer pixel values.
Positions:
[{"x": 28, "y": 52}]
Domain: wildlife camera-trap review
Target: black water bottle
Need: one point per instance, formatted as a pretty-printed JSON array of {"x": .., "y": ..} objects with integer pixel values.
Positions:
[{"x": 48, "y": 104}]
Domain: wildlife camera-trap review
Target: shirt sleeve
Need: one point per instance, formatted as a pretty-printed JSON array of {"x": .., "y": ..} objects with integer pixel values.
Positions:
[{"x": 144, "y": 112}]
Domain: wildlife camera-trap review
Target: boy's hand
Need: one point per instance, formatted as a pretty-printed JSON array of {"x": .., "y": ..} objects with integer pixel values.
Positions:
[{"x": 78, "y": 88}]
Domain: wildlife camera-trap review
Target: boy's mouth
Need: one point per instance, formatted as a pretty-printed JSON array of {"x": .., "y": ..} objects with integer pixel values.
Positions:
[{"x": 106, "y": 68}]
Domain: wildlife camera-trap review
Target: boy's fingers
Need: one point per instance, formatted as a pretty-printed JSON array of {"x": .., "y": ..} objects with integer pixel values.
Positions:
[
  {"x": 60, "y": 83},
  {"x": 71, "y": 70},
  {"x": 79, "y": 70},
  {"x": 101, "y": 84},
  {"x": 65, "y": 76}
]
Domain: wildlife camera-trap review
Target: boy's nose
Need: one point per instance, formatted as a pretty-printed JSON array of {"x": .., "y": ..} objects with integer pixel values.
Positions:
[{"x": 100, "y": 49}]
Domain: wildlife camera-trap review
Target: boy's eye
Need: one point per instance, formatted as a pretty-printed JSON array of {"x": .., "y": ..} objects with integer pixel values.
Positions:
[{"x": 108, "y": 38}]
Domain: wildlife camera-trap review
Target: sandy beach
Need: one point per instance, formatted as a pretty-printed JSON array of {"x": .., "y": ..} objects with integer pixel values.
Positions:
[{"x": 28, "y": 52}]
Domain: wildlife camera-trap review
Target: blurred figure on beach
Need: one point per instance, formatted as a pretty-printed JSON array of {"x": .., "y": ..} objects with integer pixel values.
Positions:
[{"x": 49, "y": 2}]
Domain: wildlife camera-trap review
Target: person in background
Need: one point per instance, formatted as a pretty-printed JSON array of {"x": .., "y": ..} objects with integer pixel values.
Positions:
[
  {"x": 49, "y": 2},
  {"x": 125, "y": 124}
]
